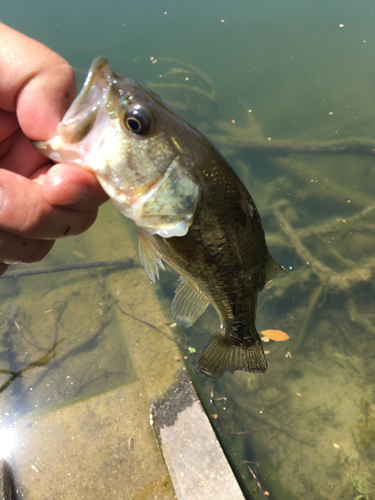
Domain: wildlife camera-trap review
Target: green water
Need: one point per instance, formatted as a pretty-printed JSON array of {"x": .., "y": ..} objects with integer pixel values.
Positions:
[{"x": 308, "y": 426}]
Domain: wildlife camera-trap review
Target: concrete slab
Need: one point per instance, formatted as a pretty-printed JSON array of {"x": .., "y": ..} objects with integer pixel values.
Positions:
[{"x": 196, "y": 462}]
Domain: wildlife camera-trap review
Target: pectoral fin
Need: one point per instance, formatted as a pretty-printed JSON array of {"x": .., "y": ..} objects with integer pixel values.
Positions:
[
  {"x": 150, "y": 258},
  {"x": 188, "y": 304}
]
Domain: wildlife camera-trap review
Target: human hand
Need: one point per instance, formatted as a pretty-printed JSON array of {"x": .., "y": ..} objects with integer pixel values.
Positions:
[{"x": 39, "y": 201}]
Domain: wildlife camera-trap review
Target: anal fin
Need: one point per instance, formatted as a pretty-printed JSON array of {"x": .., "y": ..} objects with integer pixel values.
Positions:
[
  {"x": 188, "y": 304},
  {"x": 227, "y": 354}
]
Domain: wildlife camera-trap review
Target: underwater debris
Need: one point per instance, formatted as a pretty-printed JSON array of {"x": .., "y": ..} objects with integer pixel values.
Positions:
[
  {"x": 277, "y": 335},
  {"x": 42, "y": 361},
  {"x": 243, "y": 138},
  {"x": 258, "y": 483},
  {"x": 365, "y": 435},
  {"x": 357, "y": 485}
]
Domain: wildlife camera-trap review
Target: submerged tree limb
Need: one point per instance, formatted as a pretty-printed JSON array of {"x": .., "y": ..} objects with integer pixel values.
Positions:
[
  {"x": 316, "y": 277},
  {"x": 312, "y": 304},
  {"x": 282, "y": 148},
  {"x": 328, "y": 188},
  {"x": 334, "y": 225},
  {"x": 302, "y": 251}
]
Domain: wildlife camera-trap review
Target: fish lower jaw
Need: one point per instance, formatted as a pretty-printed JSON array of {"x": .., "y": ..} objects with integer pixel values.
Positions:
[{"x": 60, "y": 152}]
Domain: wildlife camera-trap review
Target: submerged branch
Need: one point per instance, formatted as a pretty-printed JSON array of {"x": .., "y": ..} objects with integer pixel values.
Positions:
[
  {"x": 124, "y": 263},
  {"x": 150, "y": 325},
  {"x": 42, "y": 361},
  {"x": 282, "y": 148},
  {"x": 300, "y": 248}
]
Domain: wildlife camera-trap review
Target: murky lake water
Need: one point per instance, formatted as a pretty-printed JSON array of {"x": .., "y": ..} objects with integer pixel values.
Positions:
[{"x": 268, "y": 82}]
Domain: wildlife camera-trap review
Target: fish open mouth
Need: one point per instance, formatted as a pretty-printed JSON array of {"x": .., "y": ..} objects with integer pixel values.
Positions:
[{"x": 81, "y": 115}]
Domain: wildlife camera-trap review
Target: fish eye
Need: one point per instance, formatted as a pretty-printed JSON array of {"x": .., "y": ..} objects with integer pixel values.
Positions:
[{"x": 137, "y": 120}]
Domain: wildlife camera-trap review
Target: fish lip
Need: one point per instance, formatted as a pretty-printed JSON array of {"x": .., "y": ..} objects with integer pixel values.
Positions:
[
  {"x": 98, "y": 65},
  {"x": 56, "y": 150},
  {"x": 80, "y": 117}
]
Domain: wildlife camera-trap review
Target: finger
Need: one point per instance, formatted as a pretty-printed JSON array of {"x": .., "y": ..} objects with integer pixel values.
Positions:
[
  {"x": 25, "y": 212},
  {"x": 37, "y": 83},
  {"x": 19, "y": 155},
  {"x": 15, "y": 249},
  {"x": 69, "y": 185},
  {"x": 8, "y": 124}
]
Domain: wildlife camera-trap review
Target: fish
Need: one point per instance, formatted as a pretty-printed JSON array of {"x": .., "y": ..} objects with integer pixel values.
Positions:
[{"x": 190, "y": 208}]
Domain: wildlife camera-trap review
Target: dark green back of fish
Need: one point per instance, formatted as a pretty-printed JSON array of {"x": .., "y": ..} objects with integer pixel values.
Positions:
[{"x": 225, "y": 256}]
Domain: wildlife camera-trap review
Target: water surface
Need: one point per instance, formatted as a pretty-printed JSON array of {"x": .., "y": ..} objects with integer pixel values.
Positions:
[{"x": 291, "y": 71}]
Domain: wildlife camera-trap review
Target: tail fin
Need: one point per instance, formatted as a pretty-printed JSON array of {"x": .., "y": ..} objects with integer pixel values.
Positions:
[{"x": 226, "y": 354}]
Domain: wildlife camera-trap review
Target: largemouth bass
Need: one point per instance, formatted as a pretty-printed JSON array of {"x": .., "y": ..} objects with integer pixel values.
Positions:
[{"x": 190, "y": 208}]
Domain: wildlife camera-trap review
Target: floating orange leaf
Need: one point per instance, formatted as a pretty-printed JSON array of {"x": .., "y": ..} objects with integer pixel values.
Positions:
[{"x": 277, "y": 335}]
